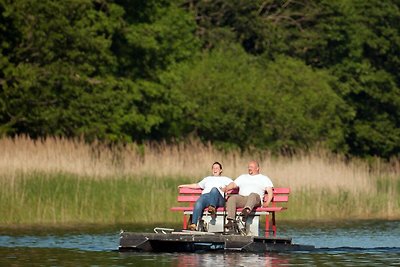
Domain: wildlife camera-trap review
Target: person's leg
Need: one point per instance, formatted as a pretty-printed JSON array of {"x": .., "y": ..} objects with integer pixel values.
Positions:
[
  {"x": 253, "y": 201},
  {"x": 199, "y": 206},
  {"x": 235, "y": 201},
  {"x": 220, "y": 201},
  {"x": 216, "y": 199}
]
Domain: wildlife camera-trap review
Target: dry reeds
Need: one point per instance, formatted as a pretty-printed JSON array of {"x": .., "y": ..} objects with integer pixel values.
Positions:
[
  {"x": 192, "y": 159},
  {"x": 65, "y": 181}
]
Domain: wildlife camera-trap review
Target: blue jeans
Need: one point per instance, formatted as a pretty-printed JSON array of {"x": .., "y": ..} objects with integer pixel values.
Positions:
[{"x": 214, "y": 198}]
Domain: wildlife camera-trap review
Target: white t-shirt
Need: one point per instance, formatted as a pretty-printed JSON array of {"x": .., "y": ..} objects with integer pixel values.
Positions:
[
  {"x": 253, "y": 184},
  {"x": 214, "y": 181}
]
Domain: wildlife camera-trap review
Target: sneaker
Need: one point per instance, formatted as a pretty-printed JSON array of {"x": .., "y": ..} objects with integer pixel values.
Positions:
[
  {"x": 202, "y": 226},
  {"x": 192, "y": 227},
  {"x": 230, "y": 224},
  {"x": 212, "y": 210},
  {"x": 230, "y": 227},
  {"x": 245, "y": 213}
]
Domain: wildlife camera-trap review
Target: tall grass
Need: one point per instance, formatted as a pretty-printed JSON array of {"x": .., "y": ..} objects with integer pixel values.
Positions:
[
  {"x": 56, "y": 180},
  {"x": 40, "y": 198}
]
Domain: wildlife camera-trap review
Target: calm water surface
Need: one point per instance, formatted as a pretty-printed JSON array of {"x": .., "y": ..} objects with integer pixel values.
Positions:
[{"x": 355, "y": 243}]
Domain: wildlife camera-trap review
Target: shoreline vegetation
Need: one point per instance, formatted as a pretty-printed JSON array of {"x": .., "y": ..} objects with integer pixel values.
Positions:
[{"x": 60, "y": 181}]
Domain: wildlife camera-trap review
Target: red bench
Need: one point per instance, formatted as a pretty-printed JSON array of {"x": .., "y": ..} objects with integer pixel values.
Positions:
[{"x": 278, "y": 203}]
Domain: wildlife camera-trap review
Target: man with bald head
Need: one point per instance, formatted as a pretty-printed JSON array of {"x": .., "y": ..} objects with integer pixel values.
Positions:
[{"x": 252, "y": 187}]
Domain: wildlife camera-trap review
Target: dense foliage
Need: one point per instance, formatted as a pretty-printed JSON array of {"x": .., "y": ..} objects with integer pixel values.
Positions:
[{"x": 281, "y": 75}]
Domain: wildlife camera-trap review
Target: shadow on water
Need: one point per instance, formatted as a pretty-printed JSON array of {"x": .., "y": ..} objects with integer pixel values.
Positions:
[{"x": 348, "y": 243}]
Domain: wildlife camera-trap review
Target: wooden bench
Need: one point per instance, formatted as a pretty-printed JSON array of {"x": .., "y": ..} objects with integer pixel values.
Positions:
[{"x": 278, "y": 204}]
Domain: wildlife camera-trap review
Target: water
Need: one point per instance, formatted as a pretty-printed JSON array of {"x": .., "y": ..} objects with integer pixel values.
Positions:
[{"x": 353, "y": 243}]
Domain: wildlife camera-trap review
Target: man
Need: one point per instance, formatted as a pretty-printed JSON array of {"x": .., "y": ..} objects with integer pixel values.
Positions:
[{"x": 252, "y": 187}]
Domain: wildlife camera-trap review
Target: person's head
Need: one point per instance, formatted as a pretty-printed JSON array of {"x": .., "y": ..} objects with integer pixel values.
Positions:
[
  {"x": 216, "y": 168},
  {"x": 253, "y": 167}
]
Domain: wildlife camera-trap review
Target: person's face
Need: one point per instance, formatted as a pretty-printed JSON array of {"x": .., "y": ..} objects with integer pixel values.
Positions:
[
  {"x": 216, "y": 170},
  {"x": 252, "y": 168}
]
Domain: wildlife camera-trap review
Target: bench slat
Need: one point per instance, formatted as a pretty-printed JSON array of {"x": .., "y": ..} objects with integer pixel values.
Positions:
[
  {"x": 188, "y": 198},
  {"x": 281, "y": 190},
  {"x": 185, "y": 190},
  {"x": 191, "y": 195},
  {"x": 280, "y": 198},
  {"x": 277, "y": 198}
]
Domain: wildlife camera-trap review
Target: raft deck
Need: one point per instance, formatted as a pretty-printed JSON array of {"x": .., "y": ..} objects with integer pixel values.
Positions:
[{"x": 192, "y": 241}]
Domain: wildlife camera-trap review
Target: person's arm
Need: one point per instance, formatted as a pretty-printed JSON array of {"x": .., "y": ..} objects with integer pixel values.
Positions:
[
  {"x": 194, "y": 186},
  {"x": 270, "y": 195},
  {"x": 230, "y": 186}
]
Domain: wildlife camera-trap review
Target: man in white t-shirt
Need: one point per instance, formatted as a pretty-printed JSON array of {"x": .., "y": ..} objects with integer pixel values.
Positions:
[
  {"x": 252, "y": 187},
  {"x": 211, "y": 197}
]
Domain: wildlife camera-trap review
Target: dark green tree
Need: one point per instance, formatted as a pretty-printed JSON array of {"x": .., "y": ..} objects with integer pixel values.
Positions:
[
  {"x": 236, "y": 99},
  {"x": 300, "y": 72},
  {"x": 358, "y": 41},
  {"x": 56, "y": 77},
  {"x": 155, "y": 36},
  {"x": 67, "y": 68}
]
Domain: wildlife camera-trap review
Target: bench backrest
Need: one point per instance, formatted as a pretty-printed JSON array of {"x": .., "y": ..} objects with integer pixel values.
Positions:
[{"x": 189, "y": 195}]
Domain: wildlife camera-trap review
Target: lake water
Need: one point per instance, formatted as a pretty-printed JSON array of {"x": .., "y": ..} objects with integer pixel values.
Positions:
[{"x": 350, "y": 243}]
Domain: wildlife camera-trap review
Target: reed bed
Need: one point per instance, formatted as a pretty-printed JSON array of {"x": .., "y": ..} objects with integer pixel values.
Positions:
[
  {"x": 57, "y": 180},
  {"x": 39, "y": 198}
]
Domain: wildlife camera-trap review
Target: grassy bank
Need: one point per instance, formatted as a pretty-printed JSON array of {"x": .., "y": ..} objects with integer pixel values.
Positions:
[
  {"x": 58, "y": 181},
  {"x": 62, "y": 199}
]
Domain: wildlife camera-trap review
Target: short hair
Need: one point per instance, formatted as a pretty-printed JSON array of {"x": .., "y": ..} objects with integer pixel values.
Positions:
[{"x": 219, "y": 164}]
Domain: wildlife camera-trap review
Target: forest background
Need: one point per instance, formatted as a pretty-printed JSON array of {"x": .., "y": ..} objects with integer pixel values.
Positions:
[{"x": 286, "y": 77}]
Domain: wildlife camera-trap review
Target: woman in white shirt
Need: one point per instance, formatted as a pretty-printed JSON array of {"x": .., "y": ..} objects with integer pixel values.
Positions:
[{"x": 211, "y": 196}]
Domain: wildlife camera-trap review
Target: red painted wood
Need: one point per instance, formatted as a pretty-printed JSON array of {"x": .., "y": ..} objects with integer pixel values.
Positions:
[
  {"x": 267, "y": 225},
  {"x": 281, "y": 195},
  {"x": 281, "y": 190},
  {"x": 185, "y": 190},
  {"x": 278, "y": 198},
  {"x": 184, "y": 221},
  {"x": 187, "y": 198}
]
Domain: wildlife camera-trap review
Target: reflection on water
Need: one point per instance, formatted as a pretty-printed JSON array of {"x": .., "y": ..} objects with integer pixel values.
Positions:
[
  {"x": 229, "y": 259},
  {"x": 357, "y": 243},
  {"x": 67, "y": 257}
]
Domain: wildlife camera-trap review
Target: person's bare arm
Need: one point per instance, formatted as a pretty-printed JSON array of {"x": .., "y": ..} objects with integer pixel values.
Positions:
[
  {"x": 269, "y": 196},
  {"x": 194, "y": 186},
  {"x": 230, "y": 186}
]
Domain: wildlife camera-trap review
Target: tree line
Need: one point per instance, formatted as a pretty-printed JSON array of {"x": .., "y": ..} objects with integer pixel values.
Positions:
[{"x": 270, "y": 74}]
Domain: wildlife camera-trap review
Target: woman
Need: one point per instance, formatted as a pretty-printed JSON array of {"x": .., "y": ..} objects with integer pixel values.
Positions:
[{"x": 212, "y": 196}]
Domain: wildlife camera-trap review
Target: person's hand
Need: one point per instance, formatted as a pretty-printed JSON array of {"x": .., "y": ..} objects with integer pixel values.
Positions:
[
  {"x": 265, "y": 205},
  {"x": 223, "y": 188}
]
